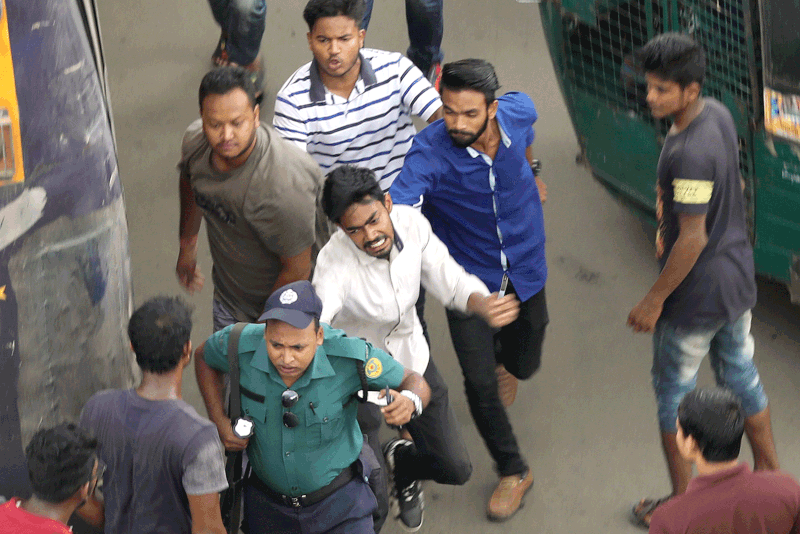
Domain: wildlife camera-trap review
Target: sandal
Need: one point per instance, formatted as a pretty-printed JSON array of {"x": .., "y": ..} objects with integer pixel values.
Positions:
[
  {"x": 642, "y": 511},
  {"x": 220, "y": 55},
  {"x": 257, "y": 76}
]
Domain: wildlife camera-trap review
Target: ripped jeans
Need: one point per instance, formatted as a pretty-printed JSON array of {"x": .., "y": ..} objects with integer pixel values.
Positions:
[{"x": 678, "y": 352}]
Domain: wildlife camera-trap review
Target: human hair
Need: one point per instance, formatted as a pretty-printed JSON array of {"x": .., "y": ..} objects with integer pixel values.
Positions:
[
  {"x": 473, "y": 74},
  {"x": 159, "y": 330},
  {"x": 60, "y": 459},
  {"x": 223, "y": 80},
  {"x": 715, "y": 419},
  {"x": 674, "y": 57},
  {"x": 317, "y": 9},
  {"x": 347, "y": 185}
]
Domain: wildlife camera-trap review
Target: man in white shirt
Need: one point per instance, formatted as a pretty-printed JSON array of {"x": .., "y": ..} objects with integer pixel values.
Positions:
[{"x": 368, "y": 277}]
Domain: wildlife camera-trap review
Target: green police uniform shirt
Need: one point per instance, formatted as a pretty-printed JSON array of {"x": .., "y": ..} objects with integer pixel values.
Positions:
[{"x": 297, "y": 461}]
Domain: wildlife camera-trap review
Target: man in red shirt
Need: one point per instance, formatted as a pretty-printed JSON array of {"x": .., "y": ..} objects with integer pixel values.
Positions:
[
  {"x": 726, "y": 496},
  {"x": 64, "y": 469}
]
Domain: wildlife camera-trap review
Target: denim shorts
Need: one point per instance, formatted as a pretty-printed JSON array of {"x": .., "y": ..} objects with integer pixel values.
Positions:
[{"x": 678, "y": 352}]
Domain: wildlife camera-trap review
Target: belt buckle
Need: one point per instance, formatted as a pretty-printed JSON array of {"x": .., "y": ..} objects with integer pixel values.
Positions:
[{"x": 295, "y": 501}]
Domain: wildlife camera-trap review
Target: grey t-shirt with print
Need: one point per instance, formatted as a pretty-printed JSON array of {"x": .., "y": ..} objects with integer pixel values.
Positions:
[
  {"x": 698, "y": 173},
  {"x": 262, "y": 211},
  {"x": 157, "y": 453}
]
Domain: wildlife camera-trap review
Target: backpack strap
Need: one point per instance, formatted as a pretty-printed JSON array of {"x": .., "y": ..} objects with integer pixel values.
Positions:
[
  {"x": 362, "y": 374},
  {"x": 235, "y": 402},
  {"x": 231, "y": 501}
]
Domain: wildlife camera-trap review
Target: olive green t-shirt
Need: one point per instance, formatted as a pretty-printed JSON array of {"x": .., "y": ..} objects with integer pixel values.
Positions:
[{"x": 255, "y": 214}]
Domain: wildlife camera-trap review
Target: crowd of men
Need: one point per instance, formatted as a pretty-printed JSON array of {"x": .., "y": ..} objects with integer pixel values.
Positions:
[{"x": 327, "y": 230}]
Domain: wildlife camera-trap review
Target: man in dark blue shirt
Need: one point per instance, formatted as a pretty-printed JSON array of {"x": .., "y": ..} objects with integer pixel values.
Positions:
[
  {"x": 700, "y": 304},
  {"x": 471, "y": 173}
]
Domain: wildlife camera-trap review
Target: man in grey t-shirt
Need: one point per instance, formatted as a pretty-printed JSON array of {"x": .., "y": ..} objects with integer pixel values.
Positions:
[
  {"x": 258, "y": 195},
  {"x": 165, "y": 463}
]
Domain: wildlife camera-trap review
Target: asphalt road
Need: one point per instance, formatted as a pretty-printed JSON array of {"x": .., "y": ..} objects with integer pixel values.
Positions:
[{"x": 586, "y": 421}]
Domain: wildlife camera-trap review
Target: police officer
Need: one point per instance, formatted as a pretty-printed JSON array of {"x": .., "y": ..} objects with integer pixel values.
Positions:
[{"x": 298, "y": 384}]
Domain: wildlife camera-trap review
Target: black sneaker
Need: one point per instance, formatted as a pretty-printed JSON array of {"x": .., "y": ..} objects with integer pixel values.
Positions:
[{"x": 408, "y": 499}]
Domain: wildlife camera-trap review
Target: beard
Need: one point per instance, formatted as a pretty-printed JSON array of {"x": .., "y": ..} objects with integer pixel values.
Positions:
[
  {"x": 249, "y": 144},
  {"x": 465, "y": 139}
]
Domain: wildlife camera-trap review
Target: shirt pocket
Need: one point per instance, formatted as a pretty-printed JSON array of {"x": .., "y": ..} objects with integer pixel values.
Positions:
[
  {"x": 253, "y": 404},
  {"x": 324, "y": 422}
]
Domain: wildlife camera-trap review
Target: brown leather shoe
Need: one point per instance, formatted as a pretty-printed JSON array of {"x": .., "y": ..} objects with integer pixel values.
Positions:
[
  {"x": 507, "y": 497},
  {"x": 506, "y": 385}
]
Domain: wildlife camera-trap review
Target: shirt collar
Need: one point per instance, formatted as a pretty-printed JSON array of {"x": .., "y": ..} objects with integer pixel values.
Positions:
[
  {"x": 316, "y": 91},
  {"x": 503, "y": 137},
  {"x": 320, "y": 366},
  {"x": 705, "y": 481}
]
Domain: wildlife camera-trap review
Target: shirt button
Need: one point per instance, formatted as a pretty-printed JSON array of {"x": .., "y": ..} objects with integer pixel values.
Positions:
[
  {"x": 324, "y": 419},
  {"x": 294, "y": 488},
  {"x": 288, "y": 453}
]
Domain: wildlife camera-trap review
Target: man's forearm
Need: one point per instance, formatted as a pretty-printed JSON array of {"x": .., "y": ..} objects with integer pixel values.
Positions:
[
  {"x": 294, "y": 269},
  {"x": 191, "y": 216},
  {"x": 211, "y": 387},
  {"x": 414, "y": 383},
  {"x": 680, "y": 262}
]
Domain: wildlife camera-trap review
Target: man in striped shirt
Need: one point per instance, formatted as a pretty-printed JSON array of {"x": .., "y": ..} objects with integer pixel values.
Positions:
[{"x": 352, "y": 105}]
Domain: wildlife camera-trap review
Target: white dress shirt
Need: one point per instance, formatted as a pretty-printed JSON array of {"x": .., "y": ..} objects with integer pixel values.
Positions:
[{"x": 374, "y": 298}]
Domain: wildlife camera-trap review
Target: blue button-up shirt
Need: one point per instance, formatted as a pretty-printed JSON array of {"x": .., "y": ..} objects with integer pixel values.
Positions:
[{"x": 488, "y": 212}]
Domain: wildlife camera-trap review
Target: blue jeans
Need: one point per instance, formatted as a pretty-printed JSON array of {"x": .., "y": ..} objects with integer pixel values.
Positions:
[
  {"x": 425, "y": 19},
  {"x": 678, "y": 352},
  {"x": 243, "y": 21}
]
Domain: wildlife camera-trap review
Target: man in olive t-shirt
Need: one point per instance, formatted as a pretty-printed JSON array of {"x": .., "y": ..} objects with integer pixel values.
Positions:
[{"x": 257, "y": 193}]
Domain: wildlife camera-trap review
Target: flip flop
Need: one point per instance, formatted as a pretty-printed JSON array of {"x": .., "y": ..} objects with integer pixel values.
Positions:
[
  {"x": 257, "y": 76},
  {"x": 220, "y": 55},
  {"x": 642, "y": 511}
]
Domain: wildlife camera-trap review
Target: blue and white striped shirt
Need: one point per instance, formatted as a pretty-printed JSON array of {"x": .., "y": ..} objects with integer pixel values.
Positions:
[{"x": 370, "y": 129}]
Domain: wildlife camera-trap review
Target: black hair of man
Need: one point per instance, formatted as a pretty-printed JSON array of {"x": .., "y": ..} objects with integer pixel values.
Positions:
[
  {"x": 223, "y": 80},
  {"x": 715, "y": 419},
  {"x": 60, "y": 459},
  {"x": 159, "y": 330},
  {"x": 472, "y": 74},
  {"x": 317, "y": 9},
  {"x": 348, "y": 185},
  {"x": 675, "y": 57}
]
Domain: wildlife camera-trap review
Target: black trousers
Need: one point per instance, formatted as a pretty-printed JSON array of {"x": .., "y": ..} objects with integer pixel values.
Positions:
[
  {"x": 518, "y": 346},
  {"x": 439, "y": 451}
]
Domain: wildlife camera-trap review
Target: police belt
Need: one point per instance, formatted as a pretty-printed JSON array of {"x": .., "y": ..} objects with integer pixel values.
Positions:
[{"x": 302, "y": 501}]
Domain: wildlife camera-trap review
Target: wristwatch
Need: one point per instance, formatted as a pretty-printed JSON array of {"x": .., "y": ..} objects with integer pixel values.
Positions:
[{"x": 416, "y": 400}]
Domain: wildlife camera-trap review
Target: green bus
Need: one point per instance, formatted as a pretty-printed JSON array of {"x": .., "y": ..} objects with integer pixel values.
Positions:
[{"x": 753, "y": 58}]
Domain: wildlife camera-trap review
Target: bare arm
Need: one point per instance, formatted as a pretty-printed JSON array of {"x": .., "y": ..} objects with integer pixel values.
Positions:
[
  {"x": 438, "y": 114},
  {"x": 293, "y": 269},
  {"x": 191, "y": 216},
  {"x": 206, "y": 515},
  {"x": 212, "y": 388},
  {"x": 692, "y": 239},
  {"x": 400, "y": 410},
  {"x": 539, "y": 182},
  {"x": 93, "y": 512}
]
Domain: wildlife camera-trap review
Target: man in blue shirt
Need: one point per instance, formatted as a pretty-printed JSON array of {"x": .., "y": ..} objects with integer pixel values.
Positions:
[{"x": 471, "y": 173}]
